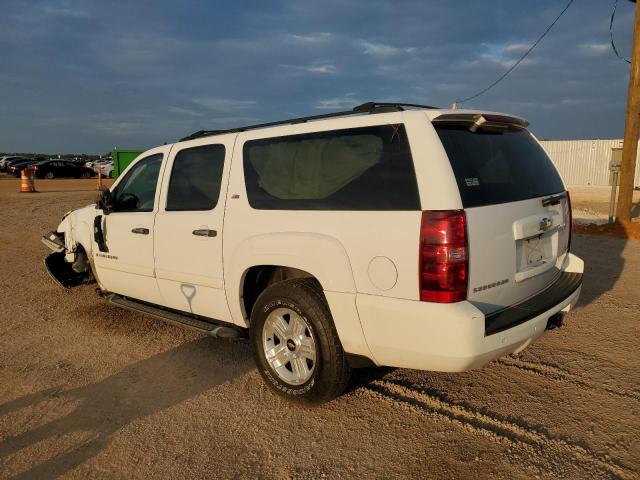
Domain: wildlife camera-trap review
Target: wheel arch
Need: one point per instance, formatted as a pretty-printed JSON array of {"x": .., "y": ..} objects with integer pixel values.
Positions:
[
  {"x": 290, "y": 255},
  {"x": 298, "y": 255}
]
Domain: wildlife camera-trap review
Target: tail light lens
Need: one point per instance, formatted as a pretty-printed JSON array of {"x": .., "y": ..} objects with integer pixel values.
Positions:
[
  {"x": 444, "y": 263},
  {"x": 570, "y": 220}
]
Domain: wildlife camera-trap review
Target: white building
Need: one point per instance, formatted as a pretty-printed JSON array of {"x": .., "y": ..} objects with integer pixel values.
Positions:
[{"x": 585, "y": 162}]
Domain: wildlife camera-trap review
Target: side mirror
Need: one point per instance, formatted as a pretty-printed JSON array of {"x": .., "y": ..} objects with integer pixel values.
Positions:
[{"x": 105, "y": 200}]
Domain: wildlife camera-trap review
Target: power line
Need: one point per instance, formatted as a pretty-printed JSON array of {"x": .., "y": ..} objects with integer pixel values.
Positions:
[
  {"x": 613, "y": 44},
  {"x": 513, "y": 67}
]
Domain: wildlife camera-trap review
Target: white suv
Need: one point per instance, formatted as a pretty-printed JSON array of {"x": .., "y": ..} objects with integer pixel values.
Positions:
[{"x": 395, "y": 235}]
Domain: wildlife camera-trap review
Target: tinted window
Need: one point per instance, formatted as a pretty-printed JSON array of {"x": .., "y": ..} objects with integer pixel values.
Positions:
[
  {"x": 492, "y": 168},
  {"x": 137, "y": 190},
  {"x": 195, "y": 178},
  {"x": 366, "y": 168}
]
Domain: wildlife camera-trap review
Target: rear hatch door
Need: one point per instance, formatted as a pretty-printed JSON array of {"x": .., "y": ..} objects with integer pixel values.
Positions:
[{"x": 516, "y": 206}]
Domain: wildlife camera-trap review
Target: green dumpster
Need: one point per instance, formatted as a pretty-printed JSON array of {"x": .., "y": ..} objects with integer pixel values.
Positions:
[{"x": 122, "y": 159}]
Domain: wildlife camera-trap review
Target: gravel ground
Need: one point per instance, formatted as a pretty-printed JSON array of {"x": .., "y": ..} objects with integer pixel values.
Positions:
[{"x": 92, "y": 391}]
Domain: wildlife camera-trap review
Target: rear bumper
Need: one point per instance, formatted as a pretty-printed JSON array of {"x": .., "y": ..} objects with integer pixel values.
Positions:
[
  {"x": 563, "y": 288},
  {"x": 453, "y": 337}
]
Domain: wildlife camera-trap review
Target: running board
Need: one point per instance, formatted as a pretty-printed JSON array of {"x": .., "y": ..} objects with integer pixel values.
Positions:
[{"x": 175, "y": 318}]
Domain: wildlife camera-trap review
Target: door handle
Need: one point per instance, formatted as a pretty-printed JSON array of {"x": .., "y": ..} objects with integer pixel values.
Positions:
[
  {"x": 140, "y": 230},
  {"x": 205, "y": 232}
]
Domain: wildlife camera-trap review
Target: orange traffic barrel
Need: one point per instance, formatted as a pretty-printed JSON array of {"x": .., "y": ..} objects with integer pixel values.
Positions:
[{"x": 26, "y": 181}]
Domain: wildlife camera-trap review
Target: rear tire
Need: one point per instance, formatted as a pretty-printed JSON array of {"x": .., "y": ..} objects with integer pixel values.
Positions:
[
  {"x": 295, "y": 343},
  {"x": 50, "y": 175},
  {"x": 86, "y": 175}
]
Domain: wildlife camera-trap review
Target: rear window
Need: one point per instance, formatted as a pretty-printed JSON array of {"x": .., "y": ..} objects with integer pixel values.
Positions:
[
  {"x": 492, "y": 168},
  {"x": 367, "y": 168}
]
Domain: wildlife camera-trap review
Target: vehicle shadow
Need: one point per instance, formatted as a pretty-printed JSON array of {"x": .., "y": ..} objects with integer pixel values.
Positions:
[
  {"x": 603, "y": 264},
  {"x": 139, "y": 390}
]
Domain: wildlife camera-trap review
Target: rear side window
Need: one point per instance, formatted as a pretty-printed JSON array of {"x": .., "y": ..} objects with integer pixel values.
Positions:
[
  {"x": 196, "y": 177},
  {"x": 492, "y": 168},
  {"x": 366, "y": 168}
]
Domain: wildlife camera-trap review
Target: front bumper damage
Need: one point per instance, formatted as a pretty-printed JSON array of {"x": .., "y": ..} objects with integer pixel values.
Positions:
[{"x": 68, "y": 269}]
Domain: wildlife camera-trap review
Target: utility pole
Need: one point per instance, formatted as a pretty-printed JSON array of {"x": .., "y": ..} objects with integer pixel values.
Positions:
[{"x": 631, "y": 128}]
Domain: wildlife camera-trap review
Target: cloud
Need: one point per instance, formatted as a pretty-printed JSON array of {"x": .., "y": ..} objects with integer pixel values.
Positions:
[
  {"x": 524, "y": 63},
  {"x": 338, "y": 103},
  {"x": 310, "y": 38},
  {"x": 326, "y": 69},
  {"x": 224, "y": 104},
  {"x": 184, "y": 111},
  {"x": 595, "y": 49},
  {"x": 382, "y": 50},
  {"x": 516, "y": 48},
  {"x": 119, "y": 129},
  {"x": 575, "y": 101},
  {"x": 65, "y": 12}
]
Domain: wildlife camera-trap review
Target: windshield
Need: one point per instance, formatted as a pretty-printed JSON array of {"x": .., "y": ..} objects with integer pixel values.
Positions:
[{"x": 498, "y": 167}]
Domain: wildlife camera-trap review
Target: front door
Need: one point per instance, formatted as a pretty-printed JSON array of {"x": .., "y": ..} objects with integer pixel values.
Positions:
[
  {"x": 188, "y": 228},
  {"x": 125, "y": 263}
]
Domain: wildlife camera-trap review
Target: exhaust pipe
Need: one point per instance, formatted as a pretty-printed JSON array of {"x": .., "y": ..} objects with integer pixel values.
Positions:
[{"x": 555, "y": 321}]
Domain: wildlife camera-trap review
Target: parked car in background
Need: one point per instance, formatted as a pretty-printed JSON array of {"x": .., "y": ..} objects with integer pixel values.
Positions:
[
  {"x": 62, "y": 169},
  {"x": 5, "y": 161},
  {"x": 16, "y": 167},
  {"x": 95, "y": 163},
  {"x": 77, "y": 161},
  {"x": 92, "y": 163},
  {"x": 9, "y": 161},
  {"x": 106, "y": 169}
]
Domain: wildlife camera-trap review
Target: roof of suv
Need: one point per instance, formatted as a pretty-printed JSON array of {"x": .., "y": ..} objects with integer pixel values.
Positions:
[
  {"x": 368, "y": 108},
  {"x": 364, "y": 109}
]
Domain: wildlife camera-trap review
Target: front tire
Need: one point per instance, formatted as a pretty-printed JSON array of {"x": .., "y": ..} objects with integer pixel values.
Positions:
[
  {"x": 295, "y": 343},
  {"x": 50, "y": 175}
]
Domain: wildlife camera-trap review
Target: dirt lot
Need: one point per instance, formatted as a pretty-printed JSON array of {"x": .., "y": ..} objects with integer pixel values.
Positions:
[
  {"x": 92, "y": 391},
  {"x": 591, "y": 204}
]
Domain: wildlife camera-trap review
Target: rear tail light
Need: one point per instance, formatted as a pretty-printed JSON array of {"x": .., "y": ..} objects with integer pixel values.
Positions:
[
  {"x": 444, "y": 263},
  {"x": 570, "y": 220}
]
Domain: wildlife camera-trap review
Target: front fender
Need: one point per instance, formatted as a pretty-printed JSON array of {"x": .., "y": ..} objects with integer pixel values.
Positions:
[
  {"x": 68, "y": 264},
  {"x": 76, "y": 226}
]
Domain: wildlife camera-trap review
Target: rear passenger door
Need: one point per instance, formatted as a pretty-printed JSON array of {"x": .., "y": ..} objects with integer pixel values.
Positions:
[{"x": 188, "y": 227}]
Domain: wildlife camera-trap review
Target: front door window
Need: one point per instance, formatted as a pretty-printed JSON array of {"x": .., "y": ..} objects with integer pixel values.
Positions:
[{"x": 136, "y": 192}]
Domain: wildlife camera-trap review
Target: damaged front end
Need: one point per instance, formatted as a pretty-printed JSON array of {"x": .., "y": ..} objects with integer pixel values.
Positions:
[{"x": 67, "y": 268}]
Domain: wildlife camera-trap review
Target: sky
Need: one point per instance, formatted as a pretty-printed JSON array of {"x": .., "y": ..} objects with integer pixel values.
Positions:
[{"x": 88, "y": 76}]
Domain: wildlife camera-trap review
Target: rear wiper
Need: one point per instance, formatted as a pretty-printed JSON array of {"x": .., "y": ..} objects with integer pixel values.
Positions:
[{"x": 553, "y": 199}]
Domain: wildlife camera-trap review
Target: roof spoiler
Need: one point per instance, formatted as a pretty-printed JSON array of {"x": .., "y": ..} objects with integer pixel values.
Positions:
[{"x": 482, "y": 121}]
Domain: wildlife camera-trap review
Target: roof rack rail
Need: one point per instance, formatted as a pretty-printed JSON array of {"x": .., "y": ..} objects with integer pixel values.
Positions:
[
  {"x": 392, "y": 106},
  {"x": 369, "y": 107}
]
